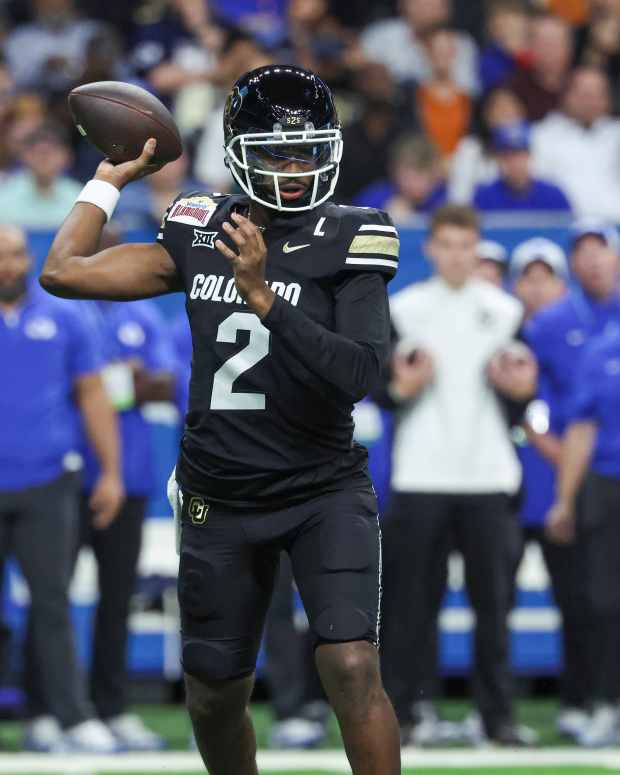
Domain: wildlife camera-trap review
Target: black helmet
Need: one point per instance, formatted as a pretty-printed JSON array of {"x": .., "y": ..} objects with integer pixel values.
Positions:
[{"x": 277, "y": 116}]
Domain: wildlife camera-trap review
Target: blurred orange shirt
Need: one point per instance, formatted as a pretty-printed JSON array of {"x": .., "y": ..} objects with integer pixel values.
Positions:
[
  {"x": 445, "y": 120},
  {"x": 574, "y": 11}
]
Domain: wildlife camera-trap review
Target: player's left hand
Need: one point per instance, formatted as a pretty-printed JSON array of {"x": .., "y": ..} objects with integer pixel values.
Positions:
[
  {"x": 106, "y": 500},
  {"x": 560, "y": 523},
  {"x": 249, "y": 263}
]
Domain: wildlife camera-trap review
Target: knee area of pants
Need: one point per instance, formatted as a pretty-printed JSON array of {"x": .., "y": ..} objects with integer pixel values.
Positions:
[
  {"x": 196, "y": 586},
  {"x": 208, "y": 661},
  {"x": 338, "y": 624}
]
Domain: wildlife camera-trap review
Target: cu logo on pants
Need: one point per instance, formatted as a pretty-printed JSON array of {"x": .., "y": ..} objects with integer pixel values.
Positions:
[{"x": 198, "y": 510}]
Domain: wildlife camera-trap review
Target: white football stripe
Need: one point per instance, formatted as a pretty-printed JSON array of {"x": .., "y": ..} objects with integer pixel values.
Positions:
[
  {"x": 287, "y": 761},
  {"x": 372, "y": 227},
  {"x": 372, "y": 261}
]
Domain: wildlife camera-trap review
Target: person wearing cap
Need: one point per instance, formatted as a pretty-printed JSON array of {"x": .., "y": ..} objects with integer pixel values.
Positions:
[
  {"x": 492, "y": 262},
  {"x": 516, "y": 188},
  {"x": 558, "y": 334},
  {"x": 539, "y": 272},
  {"x": 590, "y": 462},
  {"x": 51, "y": 350}
]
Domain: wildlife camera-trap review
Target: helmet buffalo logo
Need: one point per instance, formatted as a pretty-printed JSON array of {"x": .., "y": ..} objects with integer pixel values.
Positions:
[{"x": 233, "y": 103}]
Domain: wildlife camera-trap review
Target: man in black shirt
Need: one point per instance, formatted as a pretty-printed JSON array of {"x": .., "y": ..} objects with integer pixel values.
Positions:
[{"x": 287, "y": 304}]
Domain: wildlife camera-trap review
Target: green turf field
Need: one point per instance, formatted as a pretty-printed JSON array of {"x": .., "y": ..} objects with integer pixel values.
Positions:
[
  {"x": 553, "y": 757},
  {"x": 172, "y": 722}
]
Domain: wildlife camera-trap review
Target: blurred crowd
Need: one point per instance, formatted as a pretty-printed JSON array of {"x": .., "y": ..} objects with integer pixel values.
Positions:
[
  {"x": 460, "y": 102},
  {"x": 449, "y": 110}
]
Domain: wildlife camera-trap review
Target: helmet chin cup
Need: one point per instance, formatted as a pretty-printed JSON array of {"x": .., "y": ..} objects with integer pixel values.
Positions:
[{"x": 255, "y": 181}]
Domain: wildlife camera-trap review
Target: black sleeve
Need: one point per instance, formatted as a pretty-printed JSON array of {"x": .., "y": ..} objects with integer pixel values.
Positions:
[
  {"x": 381, "y": 394},
  {"x": 351, "y": 357}
]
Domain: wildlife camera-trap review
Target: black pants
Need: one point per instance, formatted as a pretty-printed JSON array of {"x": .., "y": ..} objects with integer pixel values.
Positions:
[
  {"x": 39, "y": 526},
  {"x": 565, "y": 565},
  {"x": 418, "y": 532},
  {"x": 116, "y": 550},
  {"x": 599, "y": 534},
  {"x": 229, "y": 563}
]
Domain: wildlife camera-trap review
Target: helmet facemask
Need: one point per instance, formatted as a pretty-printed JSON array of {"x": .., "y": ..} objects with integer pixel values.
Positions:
[{"x": 257, "y": 160}]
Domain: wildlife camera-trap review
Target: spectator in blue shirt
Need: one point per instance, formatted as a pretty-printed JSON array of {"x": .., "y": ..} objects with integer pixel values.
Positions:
[
  {"x": 590, "y": 461},
  {"x": 417, "y": 184},
  {"x": 140, "y": 368},
  {"x": 516, "y": 188},
  {"x": 539, "y": 273},
  {"x": 558, "y": 334},
  {"x": 50, "y": 351}
]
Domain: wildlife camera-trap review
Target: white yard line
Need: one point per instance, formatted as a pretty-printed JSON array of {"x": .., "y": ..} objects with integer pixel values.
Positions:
[{"x": 327, "y": 761}]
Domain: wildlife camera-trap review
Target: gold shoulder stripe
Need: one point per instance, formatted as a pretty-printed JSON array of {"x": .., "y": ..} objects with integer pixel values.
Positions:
[{"x": 374, "y": 244}]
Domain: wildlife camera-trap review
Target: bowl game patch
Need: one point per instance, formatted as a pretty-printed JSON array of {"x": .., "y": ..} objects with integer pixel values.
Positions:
[{"x": 194, "y": 210}]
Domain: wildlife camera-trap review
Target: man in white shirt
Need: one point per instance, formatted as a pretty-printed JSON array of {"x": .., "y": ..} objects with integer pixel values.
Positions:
[
  {"x": 578, "y": 147},
  {"x": 454, "y": 467},
  {"x": 396, "y": 44}
]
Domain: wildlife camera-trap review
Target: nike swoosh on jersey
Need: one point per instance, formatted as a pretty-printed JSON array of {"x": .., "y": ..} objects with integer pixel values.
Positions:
[{"x": 292, "y": 248}]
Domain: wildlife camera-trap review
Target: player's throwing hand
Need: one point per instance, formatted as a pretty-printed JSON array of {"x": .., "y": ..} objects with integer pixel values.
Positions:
[
  {"x": 249, "y": 263},
  {"x": 120, "y": 175}
]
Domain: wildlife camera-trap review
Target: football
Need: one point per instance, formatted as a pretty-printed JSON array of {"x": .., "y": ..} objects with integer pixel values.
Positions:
[{"x": 118, "y": 118}]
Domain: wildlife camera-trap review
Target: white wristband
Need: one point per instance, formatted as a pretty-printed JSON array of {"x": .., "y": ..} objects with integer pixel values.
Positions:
[{"x": 101, "y": 194}]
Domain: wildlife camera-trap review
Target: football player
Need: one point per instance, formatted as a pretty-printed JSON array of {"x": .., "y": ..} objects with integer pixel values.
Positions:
[{"x": 287, "y": 304}]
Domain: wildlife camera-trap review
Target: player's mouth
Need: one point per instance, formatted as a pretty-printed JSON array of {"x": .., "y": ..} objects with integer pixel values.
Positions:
[{"x": 291, "y": 191}]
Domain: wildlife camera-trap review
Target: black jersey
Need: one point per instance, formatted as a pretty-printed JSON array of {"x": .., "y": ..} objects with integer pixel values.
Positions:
[{"x": 270, "y": 406}]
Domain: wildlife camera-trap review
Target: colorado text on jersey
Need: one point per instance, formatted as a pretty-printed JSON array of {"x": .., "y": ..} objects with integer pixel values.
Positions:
[{"x": 209, "y": 288}]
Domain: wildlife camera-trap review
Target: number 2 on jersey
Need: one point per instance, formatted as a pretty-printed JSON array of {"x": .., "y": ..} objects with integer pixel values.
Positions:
[{"x": 222, "y": 395}]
